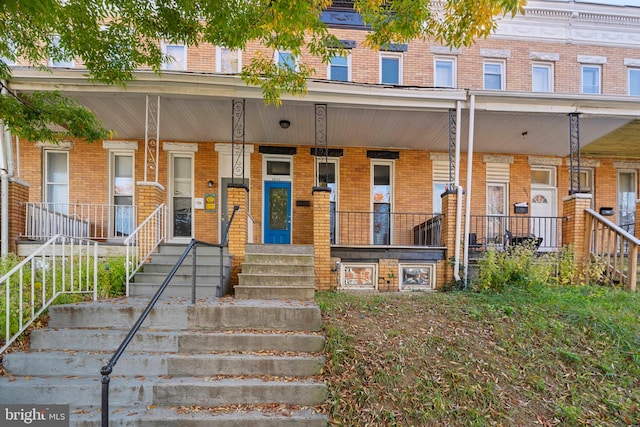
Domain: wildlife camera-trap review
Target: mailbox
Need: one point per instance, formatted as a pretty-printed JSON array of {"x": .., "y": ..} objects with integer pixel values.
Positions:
[{"x": 606, "y": 211}]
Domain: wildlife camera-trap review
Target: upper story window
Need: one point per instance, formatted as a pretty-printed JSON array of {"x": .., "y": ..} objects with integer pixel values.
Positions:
[
  {"x": 228, "y": 61},
  {"x": 287, "y": 59},
  {"x": 11, "y": 51},
  {"x": 178, "y": 53},
  {"x": 591, "y": 79},
  {"x": 494, "y": 75},
  {"x": 634, "y": 81},
  {"x": 340, "y": 69},
  {"x": 391, "y": 68},
  {"x": 542, "y": 77},
  {"x": 62, "y": 61},
  {"x": 445, "y": 72}
]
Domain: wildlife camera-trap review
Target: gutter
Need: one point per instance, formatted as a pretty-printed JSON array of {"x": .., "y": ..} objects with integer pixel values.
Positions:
[
  {"x": 467, "y": 213},
  {"x": 456, "y": 183}
]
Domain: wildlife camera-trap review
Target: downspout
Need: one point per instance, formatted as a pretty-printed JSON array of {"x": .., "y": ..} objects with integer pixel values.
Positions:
[
  {"x": 467, "y": 213},
  {"x": 456, "y": 183},
  {"x": 5, "y": 150}
]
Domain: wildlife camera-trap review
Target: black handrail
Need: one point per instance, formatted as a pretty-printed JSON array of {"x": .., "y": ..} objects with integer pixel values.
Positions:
[{"x": 106, "y": 370}]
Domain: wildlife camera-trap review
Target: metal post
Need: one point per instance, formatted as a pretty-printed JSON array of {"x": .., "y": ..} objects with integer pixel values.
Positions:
[
  {"x": 452, "y": 144},
  {"x": 105, "y": 371},
  {"x": 237, "y": 136},
  {"x": 574, "y": 150},
  {"x": 193, "y": 274},
  {"x": 321, "y": 139}
]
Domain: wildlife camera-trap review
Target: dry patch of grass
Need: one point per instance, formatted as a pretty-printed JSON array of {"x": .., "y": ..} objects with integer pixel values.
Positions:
[{"x": 543, "y": 356}]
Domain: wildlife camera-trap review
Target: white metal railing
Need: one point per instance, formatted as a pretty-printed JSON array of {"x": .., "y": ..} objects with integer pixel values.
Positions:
[
  {"x": 63, "y": 265},
  {"x": 619, "y": 249},
  {"x": 144, "y": 240},
  {"x": 80, "y": 220}
]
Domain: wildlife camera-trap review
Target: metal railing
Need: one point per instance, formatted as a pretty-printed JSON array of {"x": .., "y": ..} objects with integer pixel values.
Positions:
[
  {"x": 106, "y": 370},
  {"x": 63, "y": 265},
  {"x": 386, "y": 228},
  {"x": 80, "y": 220},
  {"x": 618, "y": 248},
  {"x": 144, "y": 240},
  {"x": 501, "y": 231}
]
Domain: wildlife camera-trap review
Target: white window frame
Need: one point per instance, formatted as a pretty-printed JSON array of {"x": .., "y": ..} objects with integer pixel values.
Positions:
[
  {"x": 276, "y": 58},
  {"x": 635, "y": 70},
  {"x": 550, "y": 82},
  {"x": 47, "y": 183},
  {"x": 391, "y": 164},
  {"x": 336, "y": 196},
  {"x": 391, "y": 55},
  {"x": 60, "y": 64},
  {"x": 553, "y": 176},
  {"x": 9, "y": 62},
  {"x": 169, "y": 66},
  {"x": 597, "y": 67},
  {"x": 431, "y": 285},
  {"x": 348, "y": 58},
  {"x": 454, "y": 72},
  {"x": 112, "y": 174},
  {"x": 219, "y": 59},
  {"x": 502, "y": 65},
  {"x": 618, "y": 201},
  {"x": 277, "y": 158}
]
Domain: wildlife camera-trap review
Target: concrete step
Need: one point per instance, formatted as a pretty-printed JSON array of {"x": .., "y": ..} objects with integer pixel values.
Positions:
[
  {"x": 203, "y": 290},
  {"x": 142, "y": 391},
  {"x": 271, "y": 268},
  {"x": 87, "y": 364},
  {"x": 178, "y": 249},
  {"x": 201, "y": 260},
  {"x": 281, "y": 416},
  {"x": 178, "y": 279},
  {"x": 248, "y": 292},
  {"x": 178, "y": 314},
  {"x": 279, "y": 259},
  {"x": 279, "y": 249},
  {"x": 173, "y": 341},
  {"x": 275, "y": 280},
  {"x": 185, "y": 269}
]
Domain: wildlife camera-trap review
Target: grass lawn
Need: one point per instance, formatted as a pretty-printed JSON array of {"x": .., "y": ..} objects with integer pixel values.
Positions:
[{"x": 539, "y": 356}]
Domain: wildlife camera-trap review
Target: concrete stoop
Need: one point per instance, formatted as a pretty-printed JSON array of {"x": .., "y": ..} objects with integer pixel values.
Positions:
[
  {"x": 153, "y": 273},
  {"x": 220, "y": 362},
  {"x": 277, "y": 272}
]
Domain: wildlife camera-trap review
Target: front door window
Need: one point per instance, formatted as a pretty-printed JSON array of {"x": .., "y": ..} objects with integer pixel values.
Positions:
[
  {"x": 122, "y": 191},
  {"x": 181, "y": 206},
  {"x": 382, "y": 200},
  {"x": 627, "y": 195},
  {"x": 277, "y": 200}
]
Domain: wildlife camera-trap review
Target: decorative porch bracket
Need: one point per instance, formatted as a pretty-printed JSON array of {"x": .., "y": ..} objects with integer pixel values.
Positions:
[
  {"x": 151, "y": 138},
  {"x": 237, "y": 141},
  {"x": 321, "y": 139},
  {"x": 574, "y": 149},
  {"x": 453, "y": 128}
]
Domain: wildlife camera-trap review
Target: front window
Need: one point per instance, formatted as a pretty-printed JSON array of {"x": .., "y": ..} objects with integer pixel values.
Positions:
[
  {"x": 627, "y": 195},
  {"x": 542, "y": 78},
  {"x": 178, "y": 54},
  {"x": 438, "y": 190},
  {"x": 445, "y": 72},
  {"x": 494, "y": 75},
  {"x": 496, "y": 211},
  {"x": 634, "y": 81},
  {"x": 60, "y": 59},
  {"x": 391, "y": 69},
  {"x": 286, "y": 59},
  {"x": 339, "y": 69},
  {"x": 591, "y": 79},
  {"x": 56, "y": 185},
  {"x": 122, "y": 191},
  {"x": 228, "y": 61}
]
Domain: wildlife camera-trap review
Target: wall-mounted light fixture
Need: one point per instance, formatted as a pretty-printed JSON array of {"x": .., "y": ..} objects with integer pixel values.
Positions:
[
  {"x": 210, "y": 183},
  {"x": 284, "y": 124}
]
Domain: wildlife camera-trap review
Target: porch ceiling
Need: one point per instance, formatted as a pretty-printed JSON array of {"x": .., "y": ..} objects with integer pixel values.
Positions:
[{"x": 198, "y": 108}]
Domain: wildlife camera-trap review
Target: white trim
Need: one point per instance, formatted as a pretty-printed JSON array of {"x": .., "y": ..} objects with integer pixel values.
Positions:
[
  {"x": 391, "y": 55},
  {"x": 171, "y": 193},
  {"x": 595, "y": 67},
  {"x": 45, "y": 179},
  {"x": 276, "y": 58},
  {"x": 219, "y": 60},
  {"x": 349, "y": 68},
  {"x": 164, "y": 65},
  {"x": 454, "y": 70},
  {"x": 414, "y": 287},
  {"x": 278, "y": 158},
  {"x": 180, "y": 147},
  {"x": 391, "y": 165},
  {"x": 62, "y": 145},
  {"x": 553, "y": 176},
  {"x": 445, "y": 50},
  {"x": 503, "y": 73},
  {"x": 120, "y": 145},
  {"x": 111, "y": 184},
  {"x": 545, "y": 161},
  {"x": 549, "y": 66},
  {"x": 544, "y": 56}
]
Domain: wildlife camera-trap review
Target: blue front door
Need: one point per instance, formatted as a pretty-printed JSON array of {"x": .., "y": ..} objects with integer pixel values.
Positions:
[{"x": 277, "y": 212}]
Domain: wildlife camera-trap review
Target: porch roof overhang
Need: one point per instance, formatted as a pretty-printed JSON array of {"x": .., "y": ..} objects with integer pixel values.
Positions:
[{"x": 197, "y": 107}]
